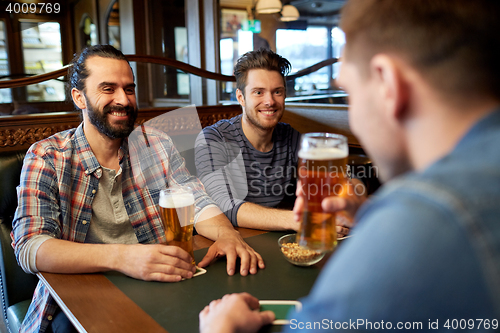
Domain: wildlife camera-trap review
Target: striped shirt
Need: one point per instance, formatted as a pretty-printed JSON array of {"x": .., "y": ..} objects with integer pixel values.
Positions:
[
  {"x": 60, "y": 179},
  {"x": 234, "y": 172}
]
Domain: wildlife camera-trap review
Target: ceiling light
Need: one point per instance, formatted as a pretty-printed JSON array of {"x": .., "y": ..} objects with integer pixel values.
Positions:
[
  {"x": 289, "y": 13},
  {"x": 268, "y": 6}
]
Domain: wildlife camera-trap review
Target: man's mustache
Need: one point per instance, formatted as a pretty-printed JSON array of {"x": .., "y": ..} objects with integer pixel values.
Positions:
[{"x": 108, "y": 109}]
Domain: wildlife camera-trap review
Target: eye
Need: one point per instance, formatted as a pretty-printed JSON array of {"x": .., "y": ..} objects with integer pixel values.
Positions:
[
  {"x": 130, "y": 91},
  {"x": 108, "y": 89},
  {"x": 257, "y": 92}
]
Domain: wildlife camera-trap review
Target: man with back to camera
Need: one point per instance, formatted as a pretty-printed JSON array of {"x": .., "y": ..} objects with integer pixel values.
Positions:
[
  {"x": 422, "y": 78},
  {"x": 257, "y": 193},
  {"x": 80, "y": 209}
]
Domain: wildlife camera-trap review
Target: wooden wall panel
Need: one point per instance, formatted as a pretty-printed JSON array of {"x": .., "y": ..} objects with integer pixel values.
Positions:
[{"x": 19, "y": 132}]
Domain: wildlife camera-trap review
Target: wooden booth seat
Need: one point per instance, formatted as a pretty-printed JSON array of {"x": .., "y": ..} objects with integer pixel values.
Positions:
[{"x": 16, "y": 287}]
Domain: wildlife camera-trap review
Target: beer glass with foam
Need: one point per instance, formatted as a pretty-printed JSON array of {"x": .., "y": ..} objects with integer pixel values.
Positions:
[
  {"x": 177, "y": 214},
  {"x": 322, "y": 173}
]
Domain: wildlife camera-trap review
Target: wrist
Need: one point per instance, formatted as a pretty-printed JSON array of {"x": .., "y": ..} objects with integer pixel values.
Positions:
[
  {"x": 221, "y": 325},
  {"x": 227, "y": 231},
  {"x": 117, "y": 257},
  {"x": 291, "y": 223}
]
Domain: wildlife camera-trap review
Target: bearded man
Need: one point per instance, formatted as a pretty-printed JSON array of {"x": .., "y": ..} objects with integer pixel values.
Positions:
[{"x": 80, "y": 209}]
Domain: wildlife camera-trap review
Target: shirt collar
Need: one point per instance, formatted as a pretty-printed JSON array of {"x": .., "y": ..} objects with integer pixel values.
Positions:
[
  {"x": 87, "y": 157},
  {"x": 490, "y": 122}
]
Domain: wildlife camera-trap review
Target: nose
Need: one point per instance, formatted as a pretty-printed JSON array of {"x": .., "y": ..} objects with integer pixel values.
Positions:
[
  {"x": 121, "y": 97},
  {"x": 269, "y": 99}
]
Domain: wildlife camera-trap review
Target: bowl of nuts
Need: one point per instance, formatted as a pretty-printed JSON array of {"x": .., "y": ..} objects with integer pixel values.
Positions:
[{"x": 296, "y": 254}]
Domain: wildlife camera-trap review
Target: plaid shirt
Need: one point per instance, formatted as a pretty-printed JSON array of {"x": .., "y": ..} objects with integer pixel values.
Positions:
[{"x": 59, "y": 180}]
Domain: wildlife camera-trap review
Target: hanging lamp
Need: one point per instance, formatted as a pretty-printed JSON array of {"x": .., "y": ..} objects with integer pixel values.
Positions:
[
  {"x": 289, "y": 13},
  {"x": 268, "y": 6}
]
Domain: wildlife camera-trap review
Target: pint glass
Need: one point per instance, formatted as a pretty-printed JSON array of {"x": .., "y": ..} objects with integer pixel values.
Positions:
[
  {"x": 322, "y": 173},
  {"x": 177, "y": 214}
]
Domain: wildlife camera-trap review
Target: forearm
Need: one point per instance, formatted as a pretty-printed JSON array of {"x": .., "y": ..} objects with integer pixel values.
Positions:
[
  {"x": 151, "y": 262},
  {"x": 212, "y": 223},
  {"x": 61, "y": 256},
  {"x": 254, "y": 216}
]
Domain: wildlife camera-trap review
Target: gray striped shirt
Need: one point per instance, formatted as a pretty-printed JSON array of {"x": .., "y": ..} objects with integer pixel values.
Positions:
[{"x": 234, "y": 172}]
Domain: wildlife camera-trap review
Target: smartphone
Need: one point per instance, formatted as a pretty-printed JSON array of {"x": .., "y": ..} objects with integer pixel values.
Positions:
[{"x": 281, "y": 309}]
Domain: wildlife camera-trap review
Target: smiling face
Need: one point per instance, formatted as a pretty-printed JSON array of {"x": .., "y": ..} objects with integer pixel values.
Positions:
[
  {"x": 108, "y": 100},
  {"x": 264, "y": 100}
]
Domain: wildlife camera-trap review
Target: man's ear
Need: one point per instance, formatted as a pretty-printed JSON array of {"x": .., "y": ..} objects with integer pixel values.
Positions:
[
  {"x": 79, "y": 98},
  {"x": 393, "y": 87},
  {"x": 240, "y": 97}
]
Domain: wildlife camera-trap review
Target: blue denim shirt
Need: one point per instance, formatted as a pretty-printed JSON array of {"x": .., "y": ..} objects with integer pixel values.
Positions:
[{"x": 426, "y": 251}]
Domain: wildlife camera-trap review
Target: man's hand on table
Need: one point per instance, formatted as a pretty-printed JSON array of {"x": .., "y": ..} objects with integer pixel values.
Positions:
[
  {"x": 234, "y": 313},
  {"x": 345, "y": 205},
  {"x": 156, "y": 262},
  {"x": 231, "y": 244},
  {"x": 149, "y": 262}
]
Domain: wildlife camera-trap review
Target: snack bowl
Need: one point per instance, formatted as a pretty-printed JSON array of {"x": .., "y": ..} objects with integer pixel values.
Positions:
[{"x": 296, "y": 254}]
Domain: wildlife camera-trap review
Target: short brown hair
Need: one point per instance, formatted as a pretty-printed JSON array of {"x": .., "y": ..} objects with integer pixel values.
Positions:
[
  {"x": 454, "y": 44},
  {"x": 260, "y": 59}
]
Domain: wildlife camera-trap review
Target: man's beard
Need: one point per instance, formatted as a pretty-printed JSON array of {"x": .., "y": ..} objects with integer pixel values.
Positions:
[
  {"x": 100, "y": 120},
  {"x": 253, "y": 119}
]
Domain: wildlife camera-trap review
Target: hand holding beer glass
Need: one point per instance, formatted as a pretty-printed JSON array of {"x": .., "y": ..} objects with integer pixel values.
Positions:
[
  {"x": 177, "y": 214},
  {"x": 322, "y": 173}
]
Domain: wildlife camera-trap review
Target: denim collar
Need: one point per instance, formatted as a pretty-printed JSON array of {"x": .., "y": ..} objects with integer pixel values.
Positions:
[{"x": 490, "y": 122}]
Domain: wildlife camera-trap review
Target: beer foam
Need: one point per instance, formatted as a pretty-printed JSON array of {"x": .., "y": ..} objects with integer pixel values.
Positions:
[
  {"x": 179, "y": 200},
  {"x": 322, "y": 153}
]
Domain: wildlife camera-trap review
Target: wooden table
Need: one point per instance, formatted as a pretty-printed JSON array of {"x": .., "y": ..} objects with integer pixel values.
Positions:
[{"x": 93, "y": 303}]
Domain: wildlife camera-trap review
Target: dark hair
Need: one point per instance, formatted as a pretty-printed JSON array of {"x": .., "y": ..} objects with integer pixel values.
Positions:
[
  {"x": 455, "y": 45},
  {"x": 260, "y": 59},
  {"x": 78, "y": 72}
]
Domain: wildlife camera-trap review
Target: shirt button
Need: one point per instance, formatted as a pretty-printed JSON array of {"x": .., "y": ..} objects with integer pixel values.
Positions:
[
  {"x": 49, "y": 317},
  {"x": 93, "y": 191},
  {"x": 84, "y": 222}
]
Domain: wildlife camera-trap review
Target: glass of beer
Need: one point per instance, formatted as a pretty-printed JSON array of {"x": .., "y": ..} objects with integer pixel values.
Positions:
[
  {"x": 322, "y": 172},
  {"x": 177, "y": 214}
]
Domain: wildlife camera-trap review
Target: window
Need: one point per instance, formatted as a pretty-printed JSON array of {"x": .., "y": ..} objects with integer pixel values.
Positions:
[
  {"x": 41, "y": 44},
  {"x": 88, "y": 33},
  {"x": 170, "y": 87},
  {"x": 304, "y": 48},
  {"x": 181, "y": 54},
  {"x": 231, "y": 48},
  {"x": 5, "y": 94},
  {"x": 114, "y": 26},
  {"x": 311, "y": 39}
]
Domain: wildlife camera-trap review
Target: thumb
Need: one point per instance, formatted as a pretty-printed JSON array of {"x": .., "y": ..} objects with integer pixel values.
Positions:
[
  {"x": 267, "y": 317},
  {"x": 298, "y": 207},
  {"x": 333, "y": 204},
  {"x": 207, "y": 259}
]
